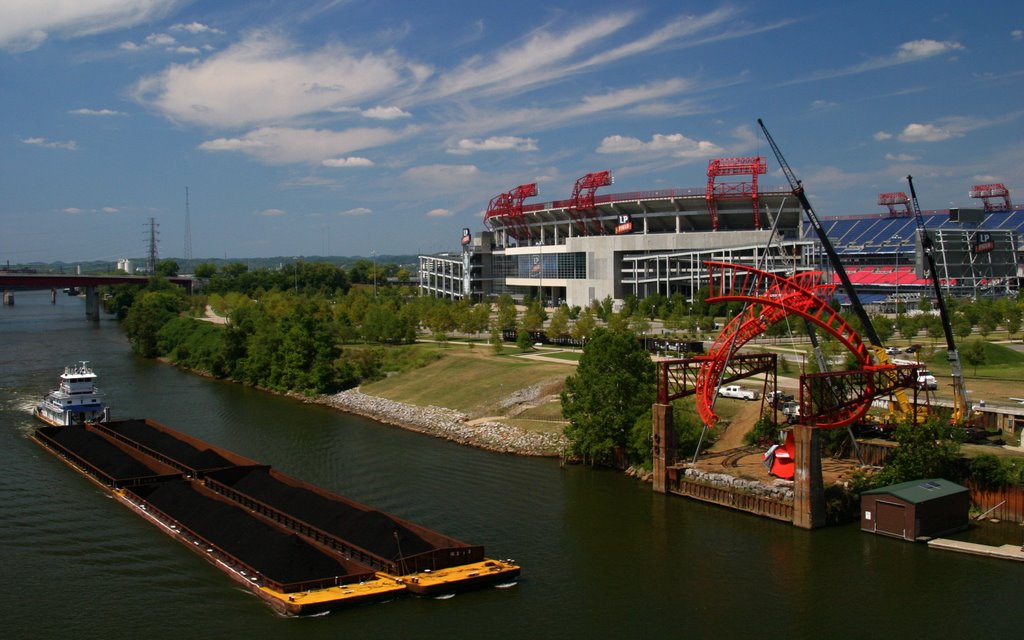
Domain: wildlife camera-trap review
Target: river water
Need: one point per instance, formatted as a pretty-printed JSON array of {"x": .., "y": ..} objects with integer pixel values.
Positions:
[{"x": 602, "y": 556}]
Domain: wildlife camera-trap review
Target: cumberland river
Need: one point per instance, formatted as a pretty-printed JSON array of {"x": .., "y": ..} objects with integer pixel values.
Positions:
[{"x": 602, "y": 556}]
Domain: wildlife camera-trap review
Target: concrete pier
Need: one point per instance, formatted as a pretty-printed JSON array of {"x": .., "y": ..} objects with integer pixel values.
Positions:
[
  {"x": 808, "y": 487},
  {"x": 92, "y": 304},
  {"x": 662, "y": 454}
]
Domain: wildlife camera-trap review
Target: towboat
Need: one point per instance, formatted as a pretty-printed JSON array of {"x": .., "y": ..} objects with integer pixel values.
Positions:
[{"x": 75, "y": 401}]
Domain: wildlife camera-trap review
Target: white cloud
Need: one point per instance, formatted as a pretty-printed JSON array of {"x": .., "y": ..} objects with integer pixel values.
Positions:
[
  {"x": 70, "y": 145},
  {"x": 822, "y": 104},
  {"x": 352, "y": 161},
  {"x": 882, "y": 135},
  {"x": 72, "y": 210},
  {"x": 26, "y": 24},
  {"x": 160, "y": 40},
  {"x": 675, "y": 144},
  {"x": 494, "y": 143},
  {"x": 911, "y": 51},
  {"x": 533, "y": 61},
  {"x": 264, "y": 80},
  {"x": 110, "y": 210},
  {"x": 272, "y": 213},
  {"x": 920, "y": 49},
  {"x": 901, "y": 157},
  {"x": 1017, "y": 34},
  {"x": 385, "y": 113},
  {"x": 547, "y": 56},
  {"x": 985, "y": 179},
  {"x": 915, "y": 132},
  {"x": 192, "y": 51},
  {"x": 443, "y": 179},
  {"x": 285, "y": 145},
  {"x": 442, "y": 175},
  {"x": 195, "y": 28},
  {"x": 96, "y": 112},
  {"x": 357, "y": 211},
  {"x": 440, "y": 213}
]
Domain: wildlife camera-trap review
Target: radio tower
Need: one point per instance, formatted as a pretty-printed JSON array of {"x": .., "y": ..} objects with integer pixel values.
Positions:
[
  {"x": 188, "y": 237},
  {"x": 153, "y": 254}
]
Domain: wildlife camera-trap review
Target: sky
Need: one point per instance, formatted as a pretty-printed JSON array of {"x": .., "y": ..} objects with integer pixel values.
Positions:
[{"x": 383, "y": 127}]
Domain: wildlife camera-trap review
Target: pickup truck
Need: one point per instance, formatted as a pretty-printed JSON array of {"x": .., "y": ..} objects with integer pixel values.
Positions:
[
  {"x": 925, "y": 380},
  {"x": 736, "y": 391}
]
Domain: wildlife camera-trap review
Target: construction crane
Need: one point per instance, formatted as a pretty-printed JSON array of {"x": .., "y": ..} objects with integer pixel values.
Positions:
[
  {"x": 878, "y": 349},
  {"x": 961, "y": 406}
]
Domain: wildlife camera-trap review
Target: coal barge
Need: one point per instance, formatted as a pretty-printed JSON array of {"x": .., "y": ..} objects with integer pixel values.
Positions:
[{"x": 300, "y": 548}]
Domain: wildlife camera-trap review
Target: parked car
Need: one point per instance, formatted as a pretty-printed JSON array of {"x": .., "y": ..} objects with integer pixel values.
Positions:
[
  {"x": 892, "y": 350},
  {"x": 914, "y": 348},
  {"x": 736, "y": 391}
]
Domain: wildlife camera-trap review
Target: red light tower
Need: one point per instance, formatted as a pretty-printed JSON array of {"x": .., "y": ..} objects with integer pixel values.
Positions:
[
  {"x": 893, "y": 200},
  {"x": 509, "y": 206},
  {"x": 583, "y": 198},
  {"x": 996, "y": 190},
  {"x": 733, "y": 190}
]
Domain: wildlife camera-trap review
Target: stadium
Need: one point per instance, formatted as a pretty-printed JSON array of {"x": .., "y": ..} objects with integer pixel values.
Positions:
[{"x": 591, "y": 246}]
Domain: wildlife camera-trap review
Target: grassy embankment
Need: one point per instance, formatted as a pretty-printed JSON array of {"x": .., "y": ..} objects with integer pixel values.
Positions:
[{"x": 481, "y": 384}]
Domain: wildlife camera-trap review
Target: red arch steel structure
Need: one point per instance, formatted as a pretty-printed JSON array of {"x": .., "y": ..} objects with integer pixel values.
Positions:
[{"x": 770, "y": 298}]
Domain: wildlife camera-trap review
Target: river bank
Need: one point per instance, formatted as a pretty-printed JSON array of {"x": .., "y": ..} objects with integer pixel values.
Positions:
[{"x": 448, "y": 424}]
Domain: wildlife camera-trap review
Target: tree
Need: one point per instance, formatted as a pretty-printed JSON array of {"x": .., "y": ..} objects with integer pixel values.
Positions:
[
  {"x": 533, "y": 318},
  {"x": 559, "y": 325},
  {"x": 167, "y": 268},
  {"x": 205, "y": 270},
  {"x": 908, "y": 326},
  {"x": 989, "y": 321},
  {"x": 961, "y": 325},
  {"x": 613, "y": 385},
  {"x": 523, "y": 340},
  {"x": 883, "y": 327},
  {"x": 150, "y": 311},
  {"x": 506, "y": 313},
  {"x": 1013, "y": 318},
  {"x": 584, "y": 326},
  {"x": 974, "y": 354},
  {"x": 497, "y": 344},
  {"x": 926, "y": 450}
]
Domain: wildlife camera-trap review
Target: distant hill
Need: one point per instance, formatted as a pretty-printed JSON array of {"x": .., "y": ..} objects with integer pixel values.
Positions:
[{"x": 410, "y": 262}]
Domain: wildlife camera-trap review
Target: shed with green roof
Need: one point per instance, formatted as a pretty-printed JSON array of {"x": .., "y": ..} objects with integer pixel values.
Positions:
[{"x": 917, "y": 510}]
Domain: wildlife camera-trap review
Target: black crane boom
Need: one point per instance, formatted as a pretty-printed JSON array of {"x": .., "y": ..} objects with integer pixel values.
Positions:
[{"x": 798, "y": 190}]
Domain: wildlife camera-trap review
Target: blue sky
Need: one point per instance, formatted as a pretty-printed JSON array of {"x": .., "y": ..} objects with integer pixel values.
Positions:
[{"x": 357, "y": 127}]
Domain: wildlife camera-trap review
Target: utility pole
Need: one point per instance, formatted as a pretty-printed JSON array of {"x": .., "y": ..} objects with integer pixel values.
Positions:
[
  {"x": 154, "y": 256},
  {"x": 188, "y": 237}
]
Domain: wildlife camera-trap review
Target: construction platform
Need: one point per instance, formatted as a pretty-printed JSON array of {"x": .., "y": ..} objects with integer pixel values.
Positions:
[
  {"x": 301, "y": 549},
  {"x": 1002, "y": 552}
]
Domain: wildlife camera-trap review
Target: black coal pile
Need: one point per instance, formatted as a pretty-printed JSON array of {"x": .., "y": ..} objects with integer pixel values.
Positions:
[
  {"x": 371, "y": 530},
  {"x": 279, "y": 556},
  {"x": 98, "y": 452},
  {"x": 175, "y": 449}
]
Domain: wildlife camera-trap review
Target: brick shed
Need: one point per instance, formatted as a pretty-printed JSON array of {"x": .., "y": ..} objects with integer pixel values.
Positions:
[{"x": 916, "y": 510}]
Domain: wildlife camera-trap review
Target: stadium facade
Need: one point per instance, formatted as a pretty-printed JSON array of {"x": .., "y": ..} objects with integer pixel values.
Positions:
[{"x": 657, "y": 242}]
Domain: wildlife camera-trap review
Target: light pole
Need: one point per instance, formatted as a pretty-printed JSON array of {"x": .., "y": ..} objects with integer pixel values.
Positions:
[{"x": 373, "y": 259}]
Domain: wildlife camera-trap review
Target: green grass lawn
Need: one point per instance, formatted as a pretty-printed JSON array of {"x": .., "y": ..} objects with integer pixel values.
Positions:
[{"x": 471, "y": 380}]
